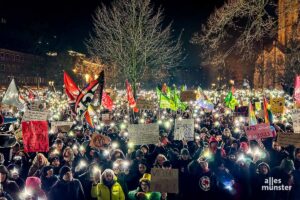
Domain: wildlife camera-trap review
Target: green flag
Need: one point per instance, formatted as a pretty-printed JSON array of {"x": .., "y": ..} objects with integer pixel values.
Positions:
[{"x": 230, "y": 101}]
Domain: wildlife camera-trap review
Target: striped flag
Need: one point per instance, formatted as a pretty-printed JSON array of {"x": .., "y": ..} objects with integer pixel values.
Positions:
[{"x": 252, "y": 118}]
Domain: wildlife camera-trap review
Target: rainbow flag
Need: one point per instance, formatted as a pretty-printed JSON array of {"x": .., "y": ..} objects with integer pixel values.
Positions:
[
  {"x": 267, "y": 112},
  {"x": 252, "y": 118}
]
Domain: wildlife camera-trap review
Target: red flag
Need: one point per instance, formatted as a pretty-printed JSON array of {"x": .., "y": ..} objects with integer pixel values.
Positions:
[
  {"x": 88, "y": 119},
  {"x": 71, "y": 88},
  {"x": 130, "y": 97},
  {"x": 107, "y": 102},
  {"x": 297, "y": 90},
  {"x": 35, "y": 136},
  {"x": 267, "y": 120}
]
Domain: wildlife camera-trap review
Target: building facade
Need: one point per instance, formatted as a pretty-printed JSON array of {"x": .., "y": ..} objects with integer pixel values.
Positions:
[
  {"x": 270, "y": 65},
  {"x": 27, "y": 69}
]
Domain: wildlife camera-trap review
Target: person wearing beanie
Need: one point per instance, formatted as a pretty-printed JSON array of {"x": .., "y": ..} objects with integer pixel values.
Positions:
[
  {"x": 48, "y": 178},
  {"x": 258, "y": 180},
  {"x": 143, "y": 191},
  {"x": 14, "y": 172},
  {"x": 109, "y": 188},
  {"x": 66, "y": 188},
  {"x": 9, "y": 187},
  {"x": 33, "y": 187},
  {"x": 55, "y": 163}
]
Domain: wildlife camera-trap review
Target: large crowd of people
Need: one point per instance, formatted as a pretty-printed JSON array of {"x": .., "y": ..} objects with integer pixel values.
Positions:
[{"x": 101, "y": 163}]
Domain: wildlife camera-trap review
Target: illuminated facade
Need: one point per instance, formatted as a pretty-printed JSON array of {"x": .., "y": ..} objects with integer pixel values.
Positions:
[{"x": 270, "y": 65}]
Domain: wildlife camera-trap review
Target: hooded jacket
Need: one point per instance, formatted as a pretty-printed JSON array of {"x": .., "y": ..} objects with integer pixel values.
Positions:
[
  {"x": 10, "y": 187},
  {"x": 67, "y": 190}
]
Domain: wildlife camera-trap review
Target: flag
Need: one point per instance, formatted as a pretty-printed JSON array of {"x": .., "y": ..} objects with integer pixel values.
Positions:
[
  {"x": 252, "y": 118},
  {"x": 101, "y": 86},
  {"x": 107, "y": 102},
  {"x": 178, "y": 103},
  {"x": 165, "y": 101},
  {"x": 72, "y": 90},
  {"x": 297, "y": 90},
  {"x": 35, "y": 136},
  {"x": 130, "y": 97},
  {"x": 230, "y": 101},
  {"x": 11, "y": 96},
  {"x": 88, "y": 119},
  {"x": 85, "y": 98},
  {"x": 267, "y": 112}
]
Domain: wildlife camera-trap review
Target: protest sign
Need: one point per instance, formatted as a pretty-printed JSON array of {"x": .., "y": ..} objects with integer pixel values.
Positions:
[
  {"x": 277, "y": 105},
  {"x": 297, "y": 90},
  {"x": 184, "y": 129},
  {"x": 35, "y": 136},
  {"x": 286, "y": 139},
  {"x": 144, "y": 104},
  {"x": 189, "y": 95},
  {"x": 61, "y": 126},
  {"x": 205, "y": 104},
  {"x": 36, "y": 106},
  {"x": 258, "y": 131},
  {"x": 164, "y": 180},
  {"x": 296, "y": 120},
  {"x": 143, "y": 133},
  {"x": 257, "y": 106},
  {"x": 31, "y": 115}
]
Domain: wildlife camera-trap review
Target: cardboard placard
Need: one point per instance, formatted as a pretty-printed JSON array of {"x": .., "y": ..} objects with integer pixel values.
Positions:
[
  {"x": 184, "y": 129},
  {"x": 296, "y": 120},
  {"x": 36, "y": 106},
  {"x": 61, "y": 125},
  {"x": 277, "y": 105},
  {"x": 285, "y": 139},
  {"x": 189, "y": 95},
  {"x": 31, "y": 115},
  {"x": 258, "y": 131},
  {"x": 164, "y": 180},
  {"x": 143, "y": 133},
  {"x": 35, "y": 136},
  {"x": 144, "y": 104}
]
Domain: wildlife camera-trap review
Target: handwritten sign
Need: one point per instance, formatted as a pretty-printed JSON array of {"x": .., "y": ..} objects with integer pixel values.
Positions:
[
  {"x": 35, "y": 136},
  {"x": 36, "y": 106},
  {"x": 189, "y": 95},
  {"x": 143, "y": 133},
  {"x": 31, "y": 115},
  {"x": 285, "y": 139},
  {"x": 296, "y": 120},
  {"x": 277, "y": 105},
  {"x": 184, "y": 129},
  {"x": 145, "y": 104},
  {"x": 164, "y": 180},
  {"x": 258, "y": 131},
  {"x": 61, "y": 126}
]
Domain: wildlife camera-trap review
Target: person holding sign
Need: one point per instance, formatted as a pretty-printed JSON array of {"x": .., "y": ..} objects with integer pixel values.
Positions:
[{"x": 143, "y": 191}]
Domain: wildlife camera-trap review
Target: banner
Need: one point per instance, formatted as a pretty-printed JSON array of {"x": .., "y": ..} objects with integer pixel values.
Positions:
[
  {"x": 277, "y": 105},
  {"x": 258, "y": 131},
  {"x": 297, "y": 90},
  {"x": 205, "y": 104},
  {"x": 189, "y": 95},
  {"x": 144, "y": 104},
  {"x": 35, "y": 136},
  {"x": 164, "y": 180},
  {"x": 31, "y": 115},
  {"x": 143, "y": 133},
  {"x": 184, "y": 129},
  {"x": 296, "y": 120},
  {"x": 285, "y": 139},
  {"x": 61, "y": 126}
]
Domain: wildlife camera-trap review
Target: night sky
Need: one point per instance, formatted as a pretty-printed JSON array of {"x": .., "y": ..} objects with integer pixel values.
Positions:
[{"x": 62, "y": 25}]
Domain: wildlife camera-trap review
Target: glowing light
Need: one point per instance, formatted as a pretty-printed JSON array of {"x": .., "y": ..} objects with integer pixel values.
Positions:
[
  {"x": 82, "y": 164},
  {"x": 167, "y": 124},
  {"x": 114, "y": 145},
  {"x": 130, "y": 145},
  {"x": 105, "y": 152}
]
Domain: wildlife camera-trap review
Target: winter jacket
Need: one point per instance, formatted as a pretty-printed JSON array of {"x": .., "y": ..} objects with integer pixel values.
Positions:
[
  {"x": 149, "y": 195},
  {"x": 11, "y": 188},
  {"x": 67, "y": 190},
  {"x": 102, "y": 192}
]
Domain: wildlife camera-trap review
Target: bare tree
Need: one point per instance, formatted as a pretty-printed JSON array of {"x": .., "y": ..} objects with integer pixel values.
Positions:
[
  {"x": 130, "y": 35},
  {"x": 239, "y": 26}
]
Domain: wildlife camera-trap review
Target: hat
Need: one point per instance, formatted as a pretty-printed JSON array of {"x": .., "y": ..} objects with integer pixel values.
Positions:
[
  {"x": 33, "y": 182},
  {"x": 145, "y": 146},
  {"x": 212, "y": 139},
  {"x": 263, "y": 164},
  {"x": 185, "y": 151},
  {"x": 146, "y": 178},
  {"x": 139, "y": 153},
  {"x": 3, "y": 169},
  {"x": 53, "y": 159},
  {"x": 203, "y": 130},
  {"x": 287, "y": 164},
  {"x": 63, "y": 171}
]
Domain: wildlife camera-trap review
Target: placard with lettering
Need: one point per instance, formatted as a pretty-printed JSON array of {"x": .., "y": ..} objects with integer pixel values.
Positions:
[
  {"x": 286, "y": 139},
  {"x": 35, "y": 136},
  {"x": 143, "y": 133},
  {"x": 184, "y": 129},
  {"x": 144, "y": 104},
  {"x": 258, "y": 131},
  {"x": 61, "y": 126},
  {"x": 277, "y": 105},
  {"x": 296, "y": 120},
  {"x": 189, "y": 95},
  {"x": 31, "y": 115},
  {"x": 164, "y": 180}
]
